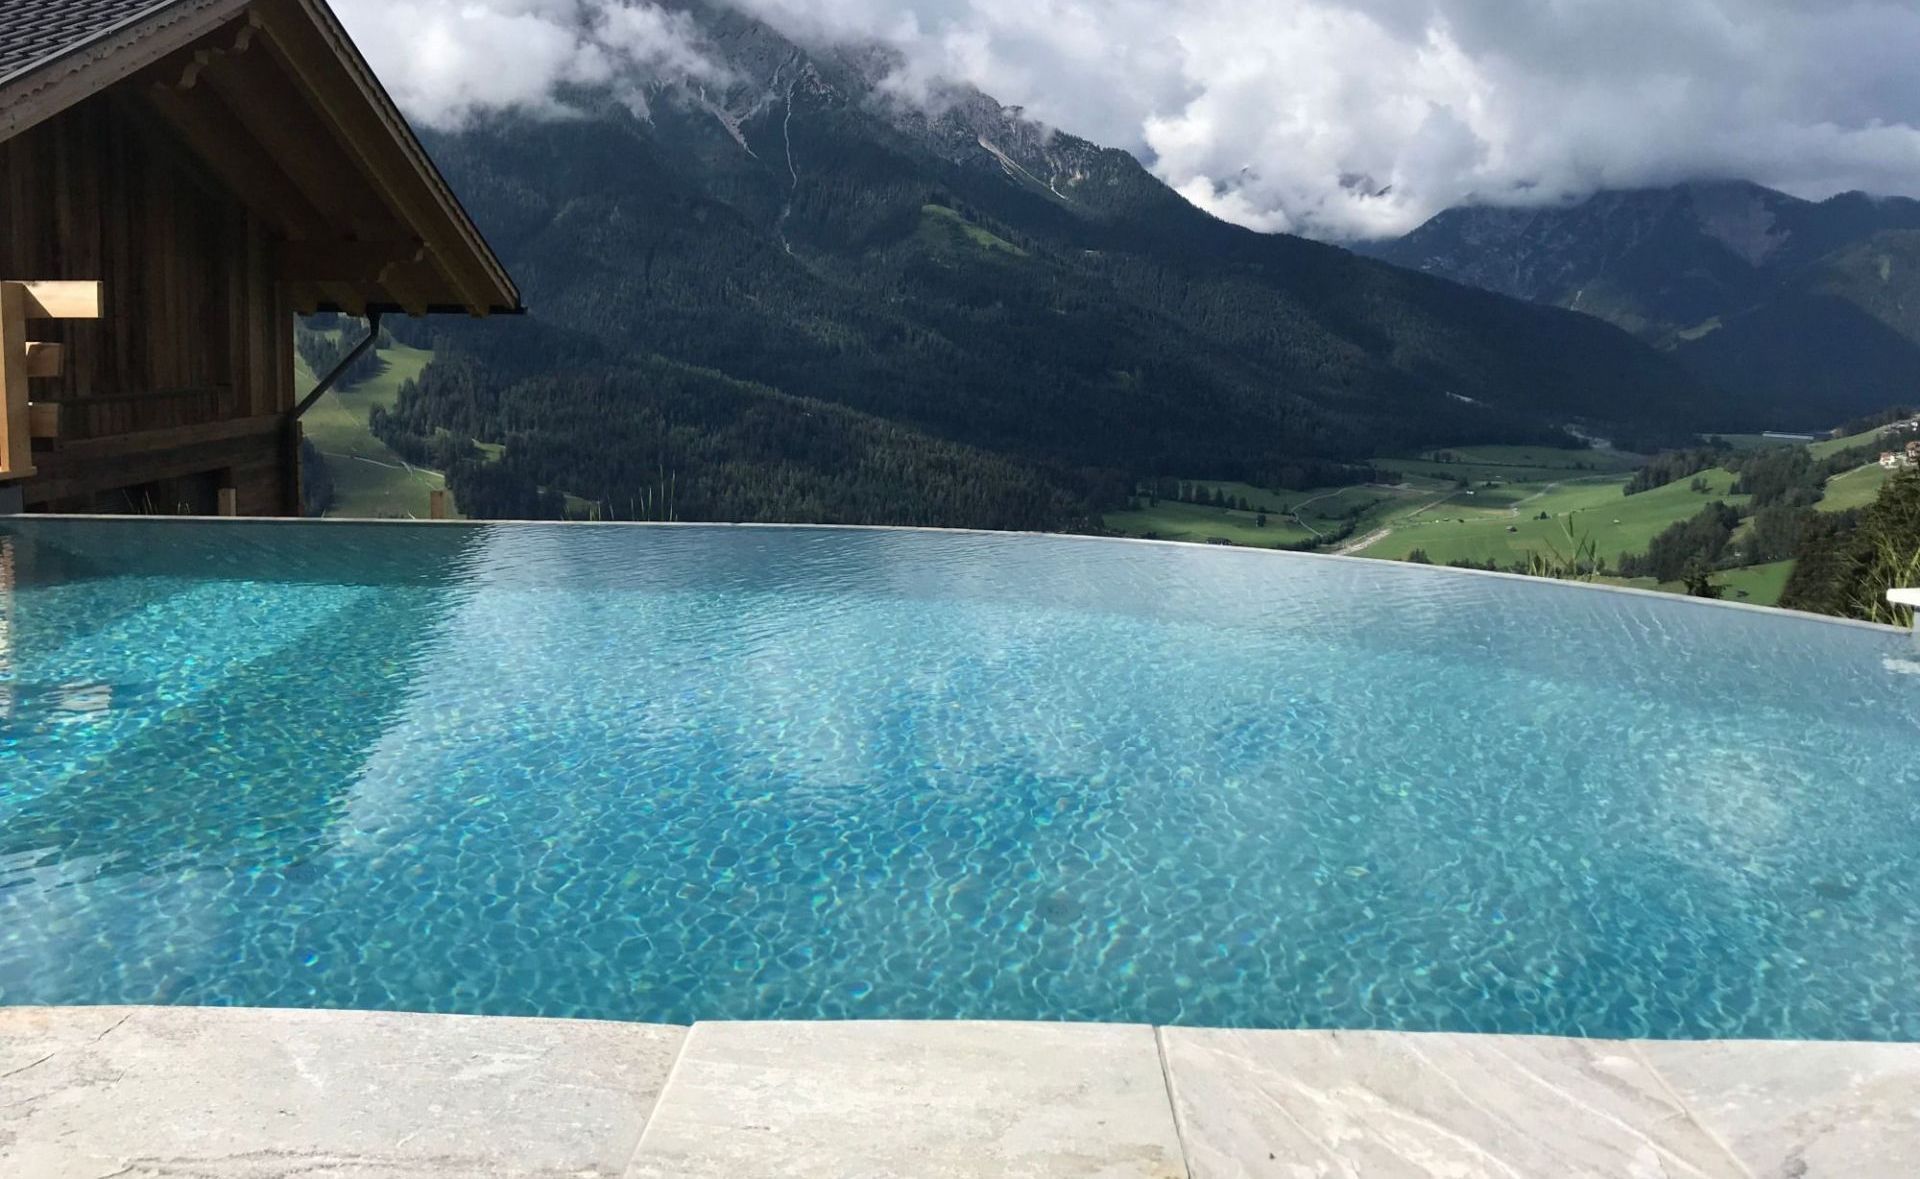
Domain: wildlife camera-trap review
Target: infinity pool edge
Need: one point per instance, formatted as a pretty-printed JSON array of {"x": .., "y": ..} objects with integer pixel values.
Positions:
[{"x": 1438, "y": 570}]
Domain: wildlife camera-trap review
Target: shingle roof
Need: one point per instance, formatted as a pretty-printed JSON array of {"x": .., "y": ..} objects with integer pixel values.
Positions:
[{"x": 35, "y": 32}]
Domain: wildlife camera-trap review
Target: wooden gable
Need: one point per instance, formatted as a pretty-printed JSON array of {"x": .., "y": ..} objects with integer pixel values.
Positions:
[
  {"x": 275, "y": 102},
  {"x": 211, "y": 168}
]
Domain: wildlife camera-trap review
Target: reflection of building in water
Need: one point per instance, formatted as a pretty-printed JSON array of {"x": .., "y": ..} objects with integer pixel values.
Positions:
[
  {"x": 6, "y": 626},
  {"x": 63, "y": 702},
  {"x": 77, "y": 702}
]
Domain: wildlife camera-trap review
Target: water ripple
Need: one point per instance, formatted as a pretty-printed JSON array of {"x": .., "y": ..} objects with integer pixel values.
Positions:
[{"x": 670, "y": 774}]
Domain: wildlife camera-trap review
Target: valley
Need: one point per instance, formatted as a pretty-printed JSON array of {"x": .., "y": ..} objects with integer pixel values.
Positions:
[
  {"x": 1496, "y": 507},
  {"x": 790, "y": 297},
  {"x": 1490, "y": 506}
]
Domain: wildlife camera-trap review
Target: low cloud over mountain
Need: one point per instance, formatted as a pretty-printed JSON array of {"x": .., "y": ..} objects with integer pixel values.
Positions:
[{"x": 1333, "y": 118}]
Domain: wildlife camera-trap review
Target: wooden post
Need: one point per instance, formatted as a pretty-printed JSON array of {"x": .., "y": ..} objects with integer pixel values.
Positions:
[
  {"x": 437, "y": 504},
  {"x": 229, "y": 501},
  {"x": 21, "y": 359},
  {"x": 16, "y": 428}
]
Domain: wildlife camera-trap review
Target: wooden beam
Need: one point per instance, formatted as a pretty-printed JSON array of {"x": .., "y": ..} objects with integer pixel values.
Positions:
[
  {"x": 411, "y": 284},
  {"x": 43, "y": 360},
  {"x": 16, "y": 430},
  {"x": 170, "y": 438},
  {"x": 346, "y": 298},
  {"x": 281, "y": 118},
  {"x": 206, "y": 55},
  {"x": 309, "y": 46},
  {"x": 60, "y": 300},
  {"x": 77, "y": 469},
  {"x": 222, "y": 143},
  {"x": 43, "y": 419},
  {"x": 22, "y": 360},
  {"x": 342, "y": 261}
]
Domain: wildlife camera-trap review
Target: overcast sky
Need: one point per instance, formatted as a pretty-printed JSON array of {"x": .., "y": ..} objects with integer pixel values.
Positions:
[{"x": 1334, "y": 118}]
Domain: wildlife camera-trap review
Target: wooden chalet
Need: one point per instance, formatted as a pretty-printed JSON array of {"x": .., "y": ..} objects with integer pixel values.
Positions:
[{"x": 178, "y": 179}]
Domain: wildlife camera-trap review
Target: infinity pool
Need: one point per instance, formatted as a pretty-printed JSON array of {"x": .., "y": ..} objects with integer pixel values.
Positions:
[{"x": 710, "y": 772}]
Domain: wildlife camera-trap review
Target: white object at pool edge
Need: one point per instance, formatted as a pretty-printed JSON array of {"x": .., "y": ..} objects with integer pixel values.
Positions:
[{"x": 1908, "y": 597}]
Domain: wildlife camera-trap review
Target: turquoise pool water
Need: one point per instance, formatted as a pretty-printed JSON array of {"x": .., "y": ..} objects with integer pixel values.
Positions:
[{"x": 679, "y": 773}]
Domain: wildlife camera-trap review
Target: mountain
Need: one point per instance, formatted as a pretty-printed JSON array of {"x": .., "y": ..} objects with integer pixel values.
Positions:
[
  {"x": 1812, "y": 309},
  {"x": 777, "y": 290}
]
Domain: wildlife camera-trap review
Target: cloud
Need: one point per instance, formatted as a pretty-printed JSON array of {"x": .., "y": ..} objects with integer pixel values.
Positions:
[
  {"x": 447, "y": 60},
  {"x": 1335, "y": 118}
]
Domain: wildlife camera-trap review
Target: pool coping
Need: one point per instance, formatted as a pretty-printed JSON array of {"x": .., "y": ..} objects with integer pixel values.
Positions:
[
  {"x": 1249, "y": 550},
  {"x": 234, "y": 1091}
]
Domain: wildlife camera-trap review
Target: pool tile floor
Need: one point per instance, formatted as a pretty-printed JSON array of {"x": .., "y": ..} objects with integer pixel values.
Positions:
[{"x": 168, "y": 1092}]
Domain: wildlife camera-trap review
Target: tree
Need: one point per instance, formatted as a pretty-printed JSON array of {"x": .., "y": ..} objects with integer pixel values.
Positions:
[
  {"x": 1698, "y": 580},
  {"x": 1701, "y": 539},
  {"x": 1845, "y": 566},
  {"x": 1773, "y": 533}
]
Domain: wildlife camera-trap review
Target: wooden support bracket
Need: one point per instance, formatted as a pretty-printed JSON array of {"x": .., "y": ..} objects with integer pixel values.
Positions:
[
  {"x": 43, "y": 419},
  {"x": 43, "y": 360},
  {"x": 60, "y": 300}
]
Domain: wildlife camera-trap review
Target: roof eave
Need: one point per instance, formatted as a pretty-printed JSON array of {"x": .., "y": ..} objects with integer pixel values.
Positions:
[{"x": 39, "y": 91}]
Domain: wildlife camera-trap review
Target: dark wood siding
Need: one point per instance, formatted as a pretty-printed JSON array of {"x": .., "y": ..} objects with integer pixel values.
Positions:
[{"x": 195, "y": 332}]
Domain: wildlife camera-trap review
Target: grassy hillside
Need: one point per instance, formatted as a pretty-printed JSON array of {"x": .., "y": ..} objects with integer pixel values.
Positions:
[
  {"x": 1294, "y": 518},
  {"x": 1512, "y": 464},
  {"x": 1167, "y": 520},
  {"x": 369, "y": 480},
  {"x": 1498, "y": 504},
  {"x": 1855, "y": 489},
  {"x": 1759, "y": 584},
  {"x": 1504, "y": 524},
  {"x": 1845, "y": 442}
]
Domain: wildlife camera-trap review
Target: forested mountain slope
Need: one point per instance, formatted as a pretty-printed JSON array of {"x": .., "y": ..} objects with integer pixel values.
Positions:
[
  {"x": 946, "y": 288},
  {"x": 1811, "y": 310}
]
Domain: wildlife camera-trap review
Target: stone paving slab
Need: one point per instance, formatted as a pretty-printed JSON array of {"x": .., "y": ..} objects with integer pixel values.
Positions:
[
  {"x": 928, "y": 1100},
  {"x": 233, "y": 1093},
  {"x": 1388, "y": 1104},
  {"x": 239, "y": 1093},
  {"x": 1801, "y": 1109}
]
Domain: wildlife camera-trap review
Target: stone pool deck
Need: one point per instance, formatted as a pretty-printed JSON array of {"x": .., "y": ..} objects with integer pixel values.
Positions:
[{"x": 233, "y": 1092}]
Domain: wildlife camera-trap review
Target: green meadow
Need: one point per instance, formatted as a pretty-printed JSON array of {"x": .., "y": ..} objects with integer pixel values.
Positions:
[
  {"x": 1294, "y": 518},
  {"x": 1495, "y": 503},
  {"x": 1507, "y": 523},
  {"x": 369, "y": 480}
]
